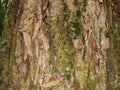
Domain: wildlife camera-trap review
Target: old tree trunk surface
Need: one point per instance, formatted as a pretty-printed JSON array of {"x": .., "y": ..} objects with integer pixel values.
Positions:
[{"x": 61, "y": 45}]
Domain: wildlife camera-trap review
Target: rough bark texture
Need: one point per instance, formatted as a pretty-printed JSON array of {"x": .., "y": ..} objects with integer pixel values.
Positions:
[{"x": 62, "y": 45}]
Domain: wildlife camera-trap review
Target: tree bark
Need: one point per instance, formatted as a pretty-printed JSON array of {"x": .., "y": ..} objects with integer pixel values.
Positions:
[{"x": 62, "y": 45}]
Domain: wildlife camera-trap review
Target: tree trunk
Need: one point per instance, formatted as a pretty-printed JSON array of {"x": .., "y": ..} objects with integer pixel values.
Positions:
[{"x": 62, "y": 45}]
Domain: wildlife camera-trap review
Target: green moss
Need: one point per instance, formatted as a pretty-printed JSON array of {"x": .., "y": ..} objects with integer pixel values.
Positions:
[
  {"x": 5, "y": 74},
  {"x": 78, "y": 2},
  {"x": 60, "y": 34},
  {"x": 73, "y": 22},
  {"x": 9, "y": 35},
  {"x": 3, "y": 8},
  {"x": 61, "y": 46},
  {"x": 114, "y": 54},
  {"x": 2, "y": 15},
  {"x": 91, "y": 84},
  {"x": 106, "y": 2}
]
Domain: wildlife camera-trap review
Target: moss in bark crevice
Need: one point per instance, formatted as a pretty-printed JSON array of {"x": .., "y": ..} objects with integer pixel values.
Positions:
[
  {"x": 72, "y": 22},
  {"x": 114, "y": 52},
  {"x": 9, "y": 34},
  {"x": 60, "y": 34},
  {"x": 5, "y": 75}
]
